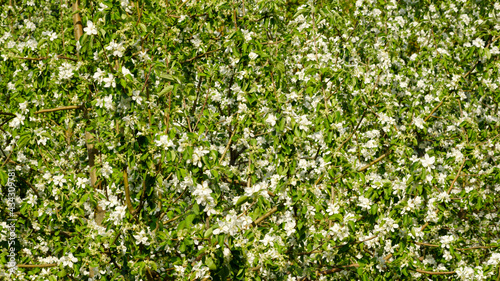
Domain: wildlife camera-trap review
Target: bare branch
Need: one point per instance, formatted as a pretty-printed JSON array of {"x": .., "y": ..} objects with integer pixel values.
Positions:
[
  {"x": 456, "y": 177},
  {"x": 435, "y": 272},
  {"x": 59, "y": 109},
  {"x": 376, "y": 160},
  {"x": 127, "y": 191},
  {"x": 36, "y": 265},
  {"x": 434, "y": 110},
  {"x": 354, "y": 131},
  {"x": 263, "y": 217}
]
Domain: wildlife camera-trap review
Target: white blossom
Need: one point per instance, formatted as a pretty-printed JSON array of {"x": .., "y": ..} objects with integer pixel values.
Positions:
[
  {"x": 252, "y": 55},
  {"x": 428, "y": 162},
  {"x": 141, "y": 238},
  {"x": 90, "y": 29}
]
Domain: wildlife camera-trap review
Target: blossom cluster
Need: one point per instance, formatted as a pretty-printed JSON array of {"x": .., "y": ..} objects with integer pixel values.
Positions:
[{"x": 248, "y": 140}]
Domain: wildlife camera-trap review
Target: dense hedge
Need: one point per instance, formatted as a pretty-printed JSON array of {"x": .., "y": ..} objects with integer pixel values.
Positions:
[{"x": 249, "y": 140}]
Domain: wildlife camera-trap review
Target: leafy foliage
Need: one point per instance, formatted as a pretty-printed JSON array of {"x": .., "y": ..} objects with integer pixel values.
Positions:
[{"x": 251, "y": 140}]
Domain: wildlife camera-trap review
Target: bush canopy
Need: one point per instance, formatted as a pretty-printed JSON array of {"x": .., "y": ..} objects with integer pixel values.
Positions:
[{"x": 249, "y": 140}]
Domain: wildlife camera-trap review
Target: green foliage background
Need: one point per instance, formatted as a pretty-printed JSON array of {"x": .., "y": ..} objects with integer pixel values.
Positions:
[{"x": 251, "y": 140}]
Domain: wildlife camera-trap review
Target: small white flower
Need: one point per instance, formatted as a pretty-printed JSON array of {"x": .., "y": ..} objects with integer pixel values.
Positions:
[
  {"x": 99, "y": 75},
  {"x": 332, "y": 209},
  {"x": 494, "y": 259},
  {"x": 271, "y": 119},
  {"x": 106, "y": 170},
  {"x": 164, "y": 141},
  {"x": 23, "y": 106},
  {"x": 304, "y": 123},
  {"x": 252, "y": 55},
  {"x": 141, "y": 238},
  {"x": 136, "y": 97},
  {"x": 126, "y": 72},
  {"x": 202, "y": 193},
  {"x": 91, "y": 29},
  {"x": 106, "y": 102},
  {"x": 59, "y": 180},
  {"x": 428, "y": 161},
  {"x": 478, "y": 43},
  {"x": 109, "y": 81},
  {"x": 17, "y": 121},
  {"x": 196, "y": 41},
  {"x": 68, "y": 260},
  {"x": 364, "y": 203},
  {"x": 52, "y": 35},
  {"x": 65, "y": 71},
  {"x": 198, "y": 153},
  {"x": 446, "y": 240},
  {"x": 102, "y": 7},
  {"x": 419, "y": 122},
  {"x": 117, "y": 48}
]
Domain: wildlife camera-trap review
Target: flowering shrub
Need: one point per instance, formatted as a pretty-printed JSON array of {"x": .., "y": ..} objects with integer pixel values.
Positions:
[{"x": 251, "y": 140}]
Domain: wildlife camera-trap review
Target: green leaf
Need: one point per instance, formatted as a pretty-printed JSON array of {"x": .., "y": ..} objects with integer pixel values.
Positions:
[
  {"x": 165, "y": 90},
  {"x": 189, "y": 219},
  {"x": 208, "y": 232},
  {"x": 209, "y": 262},
  {"x": 24, "y": 139},
  {"x": 3, "y": 176},
  {"x": 170, "y": 78},
  {"x": 242, "y": 200},
  {"x": 143, "y": 27}
]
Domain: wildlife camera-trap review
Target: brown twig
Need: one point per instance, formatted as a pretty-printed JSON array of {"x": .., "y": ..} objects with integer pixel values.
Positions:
[
  {"x": 143, "y": 196},
  {"x": 263, "y": 217},
  {"x": 127, "y": 191},
  {"x": 228, "y": 144},
  {"x": 36, "y": 265},
  {"x": 44, "y": 58},
  {"x": 477, "y": 247},
  {"x": 59, "y": 109},
  {"x": 435, "y": 272},
  {"x": 31, "y": 186},
  {"x": 376, "y": 160},
  {"x": 201, "y": 55},
  {"x": 456, "y": 177},
  {"x": 434, "y": 110},
  {"x": 167, "y": 122},
  {"x": 10, "y": 154},
  {"x": 337, "y": 269},
  {"x": 173, "y": 219},
  {"x": 147, "y": 78},
  {"x": 424, "y": 226},
  {"x": 184, "y": 3},
  {"x": 426, "y": 244},
  {"x": 7, "y": 113},
  {"x": 354, "y": 131}
]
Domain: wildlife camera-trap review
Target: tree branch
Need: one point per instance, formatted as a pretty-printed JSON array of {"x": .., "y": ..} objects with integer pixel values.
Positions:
[
  {"x": 36, "y": 265},
  {"x": 44, "y": 58},
  {"x": 199, "y": 56},
  {"x": 456, "y": 177},
  {"x": 376, "y": 160},
  {"x": 337, "y": 269},
  {"x": 263, "y": 217},
  {"x": 434, "y": 110},
  {"x": 59, "y": 109},
  {"x": 127, "y": 191},
  {"x": 354, "y": 131},
  {"x": 435, "y": 272}
]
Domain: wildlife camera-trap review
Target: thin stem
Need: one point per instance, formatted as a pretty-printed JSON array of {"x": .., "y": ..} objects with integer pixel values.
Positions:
[{"x": 58, "y": 109}]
